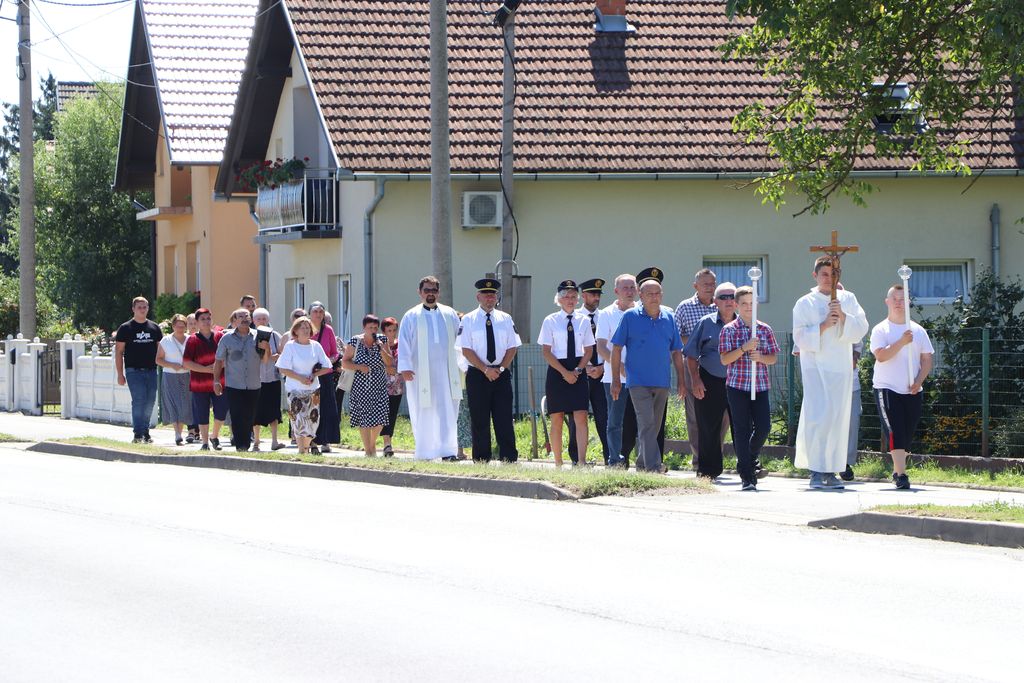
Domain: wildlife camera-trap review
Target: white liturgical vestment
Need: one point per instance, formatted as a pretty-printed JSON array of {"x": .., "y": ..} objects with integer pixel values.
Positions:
[
  {"x": 426, "y": 346},
  {"x": 826, "y": 367}
]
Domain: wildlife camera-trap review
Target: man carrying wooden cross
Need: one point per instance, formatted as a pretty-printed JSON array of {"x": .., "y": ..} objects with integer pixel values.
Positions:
[{"x": 826, "y": 324}]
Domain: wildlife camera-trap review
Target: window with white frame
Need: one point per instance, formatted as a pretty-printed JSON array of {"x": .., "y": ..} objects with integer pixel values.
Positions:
[
  {"x": 734, "y": 269},
  {"x": 339, "y": 300},
  {"x": 938, "y": 282},
  {"x": 294, "y": 297}
]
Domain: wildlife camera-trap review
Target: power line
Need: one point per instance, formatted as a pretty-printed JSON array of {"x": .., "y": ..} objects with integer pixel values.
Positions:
[
  {"x": 84, "y": 23},
  {"x": 83, "y": 4}
]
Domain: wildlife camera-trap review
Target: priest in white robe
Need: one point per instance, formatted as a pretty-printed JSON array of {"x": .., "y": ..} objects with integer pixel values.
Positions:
[
  {"x": 429, "y": 365},
  {"x": 825, "y": 332}
]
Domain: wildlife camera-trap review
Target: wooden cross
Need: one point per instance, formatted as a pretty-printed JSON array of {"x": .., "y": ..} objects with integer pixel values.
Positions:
[{"x": 836, "y": 251}]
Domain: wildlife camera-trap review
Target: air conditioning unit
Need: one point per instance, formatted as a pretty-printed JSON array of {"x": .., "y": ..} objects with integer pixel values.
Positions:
[{"x": 481, "y": 210}]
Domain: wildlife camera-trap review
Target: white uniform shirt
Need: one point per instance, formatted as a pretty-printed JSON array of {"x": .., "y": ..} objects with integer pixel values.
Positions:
[
  {"x": 892, "y": 374},
  {"x": 554, "y": 329},
  {"x": 473, "y": 334},
  {"x": 607, "y": 323}
]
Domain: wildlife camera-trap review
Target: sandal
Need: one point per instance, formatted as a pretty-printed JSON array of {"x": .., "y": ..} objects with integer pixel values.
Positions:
[
  {"x": 277, "y": 446},
  {"x": 314, "y": 450},
  {"x": 388, "y": 451}
]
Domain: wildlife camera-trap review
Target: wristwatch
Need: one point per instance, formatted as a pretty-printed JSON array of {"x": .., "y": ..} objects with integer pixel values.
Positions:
[
  {"x": 579, "y": 371},
  {"x": 501, "y": 369}
]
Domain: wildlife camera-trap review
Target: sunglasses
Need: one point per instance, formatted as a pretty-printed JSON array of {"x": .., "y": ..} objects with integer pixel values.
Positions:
[
  {"x": 726, "y": 297},
  {"x": 426, "y": 290}
]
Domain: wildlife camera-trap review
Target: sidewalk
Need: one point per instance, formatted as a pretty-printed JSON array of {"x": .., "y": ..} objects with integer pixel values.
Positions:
[{"x": 779, "y": 500}]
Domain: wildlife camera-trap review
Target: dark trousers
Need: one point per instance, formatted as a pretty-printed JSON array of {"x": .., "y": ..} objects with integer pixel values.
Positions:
[
  {"x": 599, "y": 407},
  {"x": 751, "y": 422},
  {"x": 491, "y": 402},
  {"x": 242, "y": 407},
  {"x": 393, "y": 403},
  {"x": 711, "y": 411}
]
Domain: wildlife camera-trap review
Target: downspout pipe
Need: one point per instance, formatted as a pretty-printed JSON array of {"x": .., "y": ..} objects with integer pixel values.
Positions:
[
  {"x": 368, "y": 244},
  {"x": 993, "y": 218},
  {"x": 263, "y": 293}
]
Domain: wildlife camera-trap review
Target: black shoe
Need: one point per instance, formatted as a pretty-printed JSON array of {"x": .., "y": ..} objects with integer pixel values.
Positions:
[
  {"x": 215, "y": 443},
  {"x": 146, "y": 438},
  {"x": 749, "y": 486},
  {"x": 137, "y": 439},
  {"x": 314, "y": 450},
  {"x": 178, "y": 441},
  {"x": 847, "y": 474},
  {"x": 901, "y": 481},
  {"x": 205, "y": 447},
  {"x": 450, "y": 458}
]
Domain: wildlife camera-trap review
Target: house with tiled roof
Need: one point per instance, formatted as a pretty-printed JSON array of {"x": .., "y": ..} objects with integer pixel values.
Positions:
[
  {"x": 184, "y": 70},
  {"x": 625, "y": 157},
  {"x": 71, "y": 90}
]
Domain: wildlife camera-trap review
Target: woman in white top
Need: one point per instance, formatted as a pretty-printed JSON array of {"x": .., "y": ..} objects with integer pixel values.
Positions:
[
  {"x": 175, "y": 398},
  {"x": 568, "y": 343},
  {"x": 302, "y": 363}
]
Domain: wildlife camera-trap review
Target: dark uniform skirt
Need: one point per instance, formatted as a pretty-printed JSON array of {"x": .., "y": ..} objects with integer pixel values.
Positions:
[
  {"x": 562, "y": 396},
  {"x": 268, "y": 407}
]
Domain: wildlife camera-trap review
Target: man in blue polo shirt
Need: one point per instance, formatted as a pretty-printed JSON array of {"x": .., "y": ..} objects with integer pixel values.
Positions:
[{"x": 649, "y": 333}]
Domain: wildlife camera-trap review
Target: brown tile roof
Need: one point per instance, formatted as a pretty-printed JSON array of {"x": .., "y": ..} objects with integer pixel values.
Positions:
[
  {"x": 70, "y": 90},
  {"x": 198, "y": 50},
  {"x": 661, "y": 99}
]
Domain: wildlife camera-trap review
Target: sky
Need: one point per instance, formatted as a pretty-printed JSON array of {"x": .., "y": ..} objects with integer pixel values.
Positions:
[{"x": 97, "y": 37}]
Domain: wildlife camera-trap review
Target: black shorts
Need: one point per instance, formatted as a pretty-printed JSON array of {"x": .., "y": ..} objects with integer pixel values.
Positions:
[{"x": 899, "y": 415}]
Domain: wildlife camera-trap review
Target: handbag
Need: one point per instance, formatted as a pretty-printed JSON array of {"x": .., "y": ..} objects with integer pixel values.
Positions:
[{"x": 345, "y": 381}]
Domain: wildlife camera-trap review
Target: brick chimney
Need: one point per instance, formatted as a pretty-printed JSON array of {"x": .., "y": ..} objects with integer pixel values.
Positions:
[{"x": 612, "y": 7}]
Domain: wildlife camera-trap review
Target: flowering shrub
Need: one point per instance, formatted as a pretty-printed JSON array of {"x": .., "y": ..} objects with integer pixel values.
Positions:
[{"x": 269, "y": 173}]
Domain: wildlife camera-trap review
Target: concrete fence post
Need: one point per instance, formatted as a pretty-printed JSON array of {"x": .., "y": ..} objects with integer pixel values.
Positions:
[
  {"x": 33, "y": 377},
  {"x": 70, "y": 350},
  {"x": 15, "y": 348}
]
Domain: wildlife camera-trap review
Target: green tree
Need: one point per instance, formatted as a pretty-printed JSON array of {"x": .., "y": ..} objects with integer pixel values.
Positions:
[
  {"x": 93, "y": 255},
  {"x": 961, "y": 58}
]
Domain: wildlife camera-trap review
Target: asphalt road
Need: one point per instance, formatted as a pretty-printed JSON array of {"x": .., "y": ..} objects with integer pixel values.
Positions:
[{"x": 112, "y": 571}]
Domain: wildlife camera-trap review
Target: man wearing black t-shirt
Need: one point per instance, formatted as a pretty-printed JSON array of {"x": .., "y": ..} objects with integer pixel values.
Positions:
[{"x": 135, "y": 359}]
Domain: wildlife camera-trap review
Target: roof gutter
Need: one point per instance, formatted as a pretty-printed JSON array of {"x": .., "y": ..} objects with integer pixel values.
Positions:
[
  {"x": 655, "y": 176},
  {"x": 368, "y": 244}
]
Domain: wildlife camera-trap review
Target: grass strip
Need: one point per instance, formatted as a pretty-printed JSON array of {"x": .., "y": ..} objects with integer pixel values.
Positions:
[
  {"x": 585, "y": 483},
  {"x": 996, "y": 511},
  {"x": 10, "y": 438}
]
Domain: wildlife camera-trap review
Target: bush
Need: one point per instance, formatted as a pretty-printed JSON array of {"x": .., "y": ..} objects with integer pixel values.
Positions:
[
  {"x": 166, "y": 305},
  {"x": 1009, "y": 436}
]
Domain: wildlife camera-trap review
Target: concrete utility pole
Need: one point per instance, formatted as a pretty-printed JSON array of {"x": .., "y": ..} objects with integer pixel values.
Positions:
[
  {"x": 440, "y": 159},
  {"x": 27, "y": 190},
  {"x": 507, "y": 161}
]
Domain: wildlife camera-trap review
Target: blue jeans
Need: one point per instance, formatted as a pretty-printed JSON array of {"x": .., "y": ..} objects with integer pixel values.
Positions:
[
  {"x": 142, "y": 386},
  {"x": 616, "y": 414}
]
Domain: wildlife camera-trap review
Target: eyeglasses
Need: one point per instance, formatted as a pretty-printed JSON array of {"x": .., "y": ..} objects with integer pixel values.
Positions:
[
  {"x": 726, "y": 297},
  {"x": 426, "y": 290}
]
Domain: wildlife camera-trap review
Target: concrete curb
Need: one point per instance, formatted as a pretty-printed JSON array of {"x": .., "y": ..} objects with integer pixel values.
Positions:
[
  {"x": 417, "y": 480},
  {"x": 998, "y": 534}
]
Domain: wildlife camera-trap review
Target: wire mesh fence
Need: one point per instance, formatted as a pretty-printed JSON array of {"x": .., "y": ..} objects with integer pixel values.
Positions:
[{"x": 972, "y": 399}]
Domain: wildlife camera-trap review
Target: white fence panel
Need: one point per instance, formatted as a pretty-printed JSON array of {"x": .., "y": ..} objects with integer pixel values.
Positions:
[{"x": 97, "y": 395}]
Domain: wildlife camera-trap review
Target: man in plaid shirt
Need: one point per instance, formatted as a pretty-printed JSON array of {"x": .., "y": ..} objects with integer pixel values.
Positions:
[
  {"x": 751, "y": 419},
  {"x": 688, "y": 313}
]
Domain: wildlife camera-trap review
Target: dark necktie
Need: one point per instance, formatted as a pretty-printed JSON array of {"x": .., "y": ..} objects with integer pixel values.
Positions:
[
  {"x": 492, "y": 353},
  {"x": 594, "y": 359},
  {"x": 570, "y": 342}
]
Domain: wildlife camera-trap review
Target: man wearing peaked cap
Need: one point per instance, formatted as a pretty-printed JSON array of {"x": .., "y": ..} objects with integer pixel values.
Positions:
[
  {"x": 591, "y": 295},
  {"x": 488, "y": 340}
]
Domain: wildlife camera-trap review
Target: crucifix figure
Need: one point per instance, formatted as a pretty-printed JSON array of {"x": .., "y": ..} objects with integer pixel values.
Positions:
[{"x": 836, "y": 251}]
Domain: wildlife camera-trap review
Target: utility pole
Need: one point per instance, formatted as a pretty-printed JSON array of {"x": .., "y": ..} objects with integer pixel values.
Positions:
[
  {"x": 27, "y": 190},
  {"x": 507, "y": 161},
  {"x": 440, "y": 157}
]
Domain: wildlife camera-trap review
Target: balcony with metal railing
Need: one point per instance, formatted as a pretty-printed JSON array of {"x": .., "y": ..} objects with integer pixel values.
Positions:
[{"x": 304, "y": 208}]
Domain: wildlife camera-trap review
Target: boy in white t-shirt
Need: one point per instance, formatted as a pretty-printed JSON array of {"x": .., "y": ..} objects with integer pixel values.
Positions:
[{"x": 899, "y": 397}]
